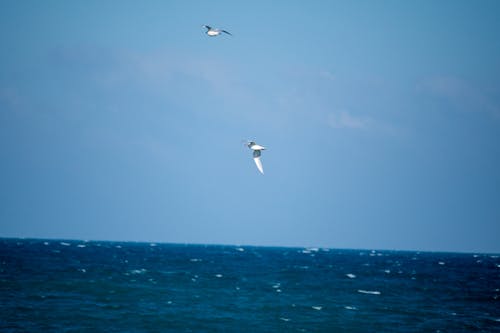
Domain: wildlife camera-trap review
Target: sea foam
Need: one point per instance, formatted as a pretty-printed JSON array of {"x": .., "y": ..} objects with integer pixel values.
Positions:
[{"x": 371, "y": 292}]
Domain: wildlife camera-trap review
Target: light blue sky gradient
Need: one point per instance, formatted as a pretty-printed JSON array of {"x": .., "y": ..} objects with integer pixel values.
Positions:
[{"x": 122, "y": 120}]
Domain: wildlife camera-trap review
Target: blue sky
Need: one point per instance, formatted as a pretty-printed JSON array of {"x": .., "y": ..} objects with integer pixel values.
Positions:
[{"x": 122, "y": 120}]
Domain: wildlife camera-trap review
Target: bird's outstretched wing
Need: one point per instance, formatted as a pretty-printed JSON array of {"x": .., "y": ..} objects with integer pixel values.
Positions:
[
  {"x": 258, "y": 162},
  {"x": 227, "y": 32}
]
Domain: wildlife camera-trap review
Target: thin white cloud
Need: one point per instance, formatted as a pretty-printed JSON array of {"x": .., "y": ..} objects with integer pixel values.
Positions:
[
  {"x": 325, "y": 74},
  {"x": 345, "y": 119},
  {"x": 463, "y": 95}
]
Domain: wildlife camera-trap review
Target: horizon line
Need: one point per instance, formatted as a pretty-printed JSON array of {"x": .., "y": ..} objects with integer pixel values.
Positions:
[{"x": 313, "y": 248}]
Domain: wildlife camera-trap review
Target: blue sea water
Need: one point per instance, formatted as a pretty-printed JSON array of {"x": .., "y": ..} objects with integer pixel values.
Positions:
[{"x": 89, "y": 286}]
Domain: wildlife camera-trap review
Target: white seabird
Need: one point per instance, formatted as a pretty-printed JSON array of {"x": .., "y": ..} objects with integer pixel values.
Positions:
[
  {"x": 212, "y": 32},
  {"x": 256, "y": 154}
]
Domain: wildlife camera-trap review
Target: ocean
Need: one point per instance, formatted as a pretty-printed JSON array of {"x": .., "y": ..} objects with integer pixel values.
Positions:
[{"x": 98, "y": 286}]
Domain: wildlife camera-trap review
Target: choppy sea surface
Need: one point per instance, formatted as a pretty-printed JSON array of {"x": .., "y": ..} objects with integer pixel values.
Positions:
[{"x": 95, "y": 286}]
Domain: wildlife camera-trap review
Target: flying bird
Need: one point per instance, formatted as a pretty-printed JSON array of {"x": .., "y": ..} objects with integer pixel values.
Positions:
[
  {"x": 256, "y": 154},
  {"x": 212, "y": 32}
]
